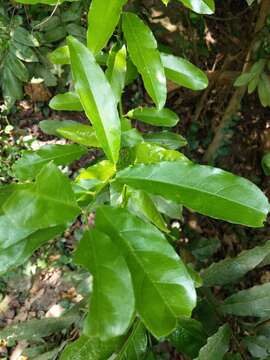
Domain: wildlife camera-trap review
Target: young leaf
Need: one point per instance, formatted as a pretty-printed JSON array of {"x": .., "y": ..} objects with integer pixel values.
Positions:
[
  {"x": 135, "y": 345},
  {"x": 96, "y": 97},
  {"x": 68, "y": 102},
  {"x": 47, "y": 202},
  {"x": 60, "y": 56},
  {"x": 30, "y": 164},
  {"x": 145, "y": 249},
  {"x": 229, "y": 270},
  {"x": 142, "y": 48},
  {"x": 207, "y": 190},
  {"x": 153, "y": 116},
  {"x": 200, "y": 7},
  {"x": 17, "y": 254},
  {"x": 183, "y": 73},
  {"x": 110, "y": 312},
  {"x": 116, "y": 71},
  {"x": 251, "y": 302},
  {"x": 217, "y": 345},
  {"x": 103, "y": 17}
]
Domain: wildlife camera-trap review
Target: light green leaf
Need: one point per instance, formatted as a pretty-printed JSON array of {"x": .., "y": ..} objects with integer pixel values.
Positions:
[
  {"x": 167, "y": 207},
  {"x": 145, "y": 249},
  {"x": 200, "y": 6},
  {"x": 251, "y": 302},
  {"x": 229, "y": 270},
  {"x": 46, "y": 203},
  {"x": 135, "y": 346},
  {"x": 166, "y": 139},
  {"x": 60, "y": 56},
  {"x": 183, "y": 73},
  {"x": 116, "y": 71},
  {"x": 217, "y": 345},
  {"x": 81, "y": 134},
  {"x": 103, "y": 17},
  {"x": 17, "y": 254},
  {"x": 68, "y": 102},
  {"x": 153, "y": 116},
  {"x": 110, "y": 312},
  {"x": 31, "y": 162},
  {"x": 50, "y": 127},
  {"x": 96, "y": 97},
  {"x": 142, "y": 48},
  {"x": 207, "y": 190}
]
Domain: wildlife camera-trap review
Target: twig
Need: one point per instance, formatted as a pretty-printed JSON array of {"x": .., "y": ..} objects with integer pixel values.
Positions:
[{"x": 239, "y": 93}]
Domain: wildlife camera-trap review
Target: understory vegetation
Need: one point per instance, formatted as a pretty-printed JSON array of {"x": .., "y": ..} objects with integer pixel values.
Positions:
[{"x": 134, "y": 194}]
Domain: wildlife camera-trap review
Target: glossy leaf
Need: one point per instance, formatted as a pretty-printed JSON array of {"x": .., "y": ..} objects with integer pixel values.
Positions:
[
  {"x": 183, "y": 73},
  {"x": 47, "y": 202},
  {"x": 251, "y": 302},
  {"x": 80, "y": 133},
  {"x": 110, "y": 312},
  {"x": 30, "y": 164},
  {"x": 229, "y": 270},
  {"x": 167, "y": 207},
  {"x": 142, "y": 48},
  {"x": 167, "y": 139},
  {"x": 51, "y": 127},
  {"x": 103, "y": 17},
  {"x": 200, "y": 6},
  {"x": 145, "y": 249},
  {"x": 217, "y": 345},
  {"x": 116, "y": 71},
  {"x": 209, "y": 191},
  {"x": 135, "y": 346},
  {"x": 60, "y": 56},
  {"x": 153, "y": 116},
  {"x": 96, "y": 97},
  {"x": 17, "y": 254},
  {"x": 67, "y": 102}
]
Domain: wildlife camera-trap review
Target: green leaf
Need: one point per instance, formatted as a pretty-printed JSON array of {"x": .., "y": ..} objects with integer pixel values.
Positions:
[
  {"x": 11, "y": 87},
  {"x": 189, "y": 337},
  {"x": 153, "y": 116},
  {"x": 151, "y": 154},
  {"x": 167, "y": 207},
  {"x": 60, "y": 56},
  {"x": 81, "y": 134},
  {"x": 17, "y": 254},
  {"x": 217, "y": 345},
  {"x": 266, "y": 164},
  {"x": 228, "y": 271},
  {"x": 17, "y": 67},
  {"x": 258, "y": 346},
  {"x": 31, "y": 162},
  {"x": 96, "y": 97},
  {"x": 103, "y": 17},
  {"x": 135, "y": 346},
  {"x": 145, "y": 250},
  {"x": 46, "y": 203},
  {"x": 22, "y": 36},
  {"x": 23, "y": 52},
  {"x": 264, "y": 90},
  {"x": 166, "y": 139},
  {"x": 142, "y": 47},
  {"x": 183, "y": 73},
  {"x": 110, "y": 312},
  {"x": 88, "y": 348},
  {"x": 51, "y": 127},
  {"x": 116, "y": 71},
  {"x": 200, "y": 7},
  {"x": 207, "y": 190},
  {"x": 251, "y": 302},
  {"x": 68, "y": 102}
]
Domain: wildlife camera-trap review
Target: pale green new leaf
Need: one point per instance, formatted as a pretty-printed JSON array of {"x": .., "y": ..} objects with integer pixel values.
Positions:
[
  {"x": 142, "y": 47},
  {"x": 31, "y": 162},
  {"x": 66, "y": 102},
  {"x": 184, "y": 73},
  {"x": 251, "y": 302},
  {"x": 229, "y": 270},
  {"x": 207, "y": 190},
  {"x": 48, "y": 202},
  {"x": 103, "y": 17},
  {"x": 157, "y": 271},
  {"x": 112, "y": 300},
  {"x": 96, "y": 97},
  {"x": 217, "y": 345}
]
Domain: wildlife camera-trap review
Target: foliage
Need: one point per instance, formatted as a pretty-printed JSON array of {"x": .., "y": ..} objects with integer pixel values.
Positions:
[{"x": 143, "y": 289}]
